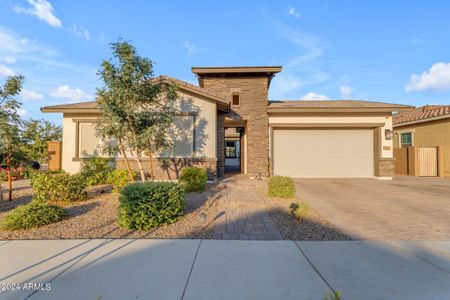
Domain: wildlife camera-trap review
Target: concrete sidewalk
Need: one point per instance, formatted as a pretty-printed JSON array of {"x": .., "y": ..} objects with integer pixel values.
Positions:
[{"x": 215, "y": 269}]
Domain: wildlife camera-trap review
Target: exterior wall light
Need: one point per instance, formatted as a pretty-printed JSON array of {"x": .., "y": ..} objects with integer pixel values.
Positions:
[{"x": 388, "y": 134}]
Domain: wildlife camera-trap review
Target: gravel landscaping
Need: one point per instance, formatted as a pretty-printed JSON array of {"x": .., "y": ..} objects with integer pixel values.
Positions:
[
  {"x": 312, "y": 227},
  {"x": 96, "y": 218}
]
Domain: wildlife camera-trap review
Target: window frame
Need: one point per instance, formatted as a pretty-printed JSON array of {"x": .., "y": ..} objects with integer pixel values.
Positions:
[
  {"x": 402, "y": 145},
  {"x": 235, "y": 149},
  {"x": 238, "y": 99}
]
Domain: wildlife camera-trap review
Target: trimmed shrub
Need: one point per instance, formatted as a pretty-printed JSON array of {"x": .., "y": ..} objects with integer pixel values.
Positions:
[
  {"x": 299, "y": 210},
  {"x": 33, "y": 214},
  {"x": 146, "y": 205},
  {"x": 95, "y": 170},
  {"x": 193, "y": 179},
  {"x": 119, "y": 178},
  {"x": 57, "y": 186},
  {"x": 281, "y": 187}
]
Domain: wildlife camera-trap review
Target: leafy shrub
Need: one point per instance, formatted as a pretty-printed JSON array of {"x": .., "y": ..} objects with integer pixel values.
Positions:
[
  {"x": 57, "y": 186},
  {"x": 28, "y": 172},
  {"x": 146, "y": 205},
  {"x": 281, "y": 187},
  {"x": 95, "y": 170},
  {"x": 299, "y": 210},
  {"x": 33, "y": 214},
  {"x": 119, "y": 178},
  {"x": 193, "y": 179}
]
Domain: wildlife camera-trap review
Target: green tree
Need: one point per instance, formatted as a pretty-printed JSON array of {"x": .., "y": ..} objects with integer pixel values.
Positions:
[
  {"x": 35, "y": 135},
  {"x": 137, "y": 108},
  {"x": 10, "y": 122}
]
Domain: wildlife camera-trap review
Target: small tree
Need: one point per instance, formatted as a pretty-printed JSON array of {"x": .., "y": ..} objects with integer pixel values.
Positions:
[
  {"x": 137, "y": 108},
  {"x": 35, "y": 135},
  {"x": 9, "y": 122}
]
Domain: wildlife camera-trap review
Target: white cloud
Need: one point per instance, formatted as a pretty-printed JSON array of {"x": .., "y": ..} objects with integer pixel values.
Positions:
[
  {"x": 314, "y": 96},
  {"x": 346, "y": 92},
  {"x": 22, "y": 112},
  {"x": 31, "y": 95},
  {"x": 293, "y": 12},
  {"x": 5, "y": 71},
  {"x": 80, "y": 32},
  {"x": 8, "y": 59},
  {"x": 41, "y": 9},
  {"x": 11, "y": 43},
  {"x": 300, "y": 70},
  {"x": 72, "y": 94},
  {"x": 190, "y": 48},
  {"x": 417, "y": 40},
  {"x": 311, "y": 47},
  {"x": 436, "y": 78}
]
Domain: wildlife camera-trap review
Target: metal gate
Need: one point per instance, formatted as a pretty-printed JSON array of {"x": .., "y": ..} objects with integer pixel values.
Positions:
[{"x": 428, "y": 161}]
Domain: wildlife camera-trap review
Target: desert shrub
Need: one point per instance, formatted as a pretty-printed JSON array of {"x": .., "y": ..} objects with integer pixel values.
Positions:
[
  {"x": 333, "y": 295},
  {"x": 119, "y": 178},
  {"x": 193, "y": 179},
  {"x": 95, "y": 170},
  {"x": 281, "y": 187},
  {"x": 57, "y": 186},
  {"x": 33, "y": 214},
  {"x": 146, "y": 205},
  {"x": 299, "y": 210}
]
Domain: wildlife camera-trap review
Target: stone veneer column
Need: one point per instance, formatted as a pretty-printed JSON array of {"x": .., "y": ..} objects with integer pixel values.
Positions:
[
  {"x": 220, "y": 166},
  {"x": 253, "y": 92}
]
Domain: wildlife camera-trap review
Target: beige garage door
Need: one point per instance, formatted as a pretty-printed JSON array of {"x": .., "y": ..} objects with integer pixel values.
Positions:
[{"x": 323, "y": 153}]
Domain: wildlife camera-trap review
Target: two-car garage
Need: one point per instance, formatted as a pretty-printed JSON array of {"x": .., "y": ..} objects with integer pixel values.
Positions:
[{"x": 323, "y": 153}]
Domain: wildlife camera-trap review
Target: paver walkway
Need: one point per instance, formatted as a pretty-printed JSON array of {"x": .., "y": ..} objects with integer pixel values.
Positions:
[{"x": 243, "y": 214}]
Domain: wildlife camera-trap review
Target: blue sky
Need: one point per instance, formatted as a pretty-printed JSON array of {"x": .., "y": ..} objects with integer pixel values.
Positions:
[{"x": 389, "y": 51}]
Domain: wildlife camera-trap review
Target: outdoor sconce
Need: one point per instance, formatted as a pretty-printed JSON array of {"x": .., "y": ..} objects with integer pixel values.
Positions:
[{"x": 388, "y": 134}]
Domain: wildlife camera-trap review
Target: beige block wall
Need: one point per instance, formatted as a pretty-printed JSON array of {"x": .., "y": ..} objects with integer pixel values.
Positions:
[
  {"x": 429, "y": 134},
  {"x": 205, "y": 133}
]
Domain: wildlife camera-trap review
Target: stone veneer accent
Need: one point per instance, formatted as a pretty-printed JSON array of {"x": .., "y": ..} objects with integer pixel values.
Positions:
[
  {"x": 385, "y": 167},
  {"x": 253, "y": 93},
  {"x": 220, "y": 138},
  {"x": 173, "y": 166}
]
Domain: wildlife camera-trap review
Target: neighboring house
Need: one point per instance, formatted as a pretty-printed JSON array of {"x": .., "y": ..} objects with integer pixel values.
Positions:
[
  {"x": 230, "y": 124},
  {"x": 426, "y": 127}
]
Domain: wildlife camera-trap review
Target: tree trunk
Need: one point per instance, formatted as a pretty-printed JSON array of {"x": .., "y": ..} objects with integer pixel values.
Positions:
[
  {"x": 124, "y": 153},
  {"x": 1, "y": 192},
  {"x": 8, "y": 163},
  {"x": 152, "y": 173},
  {"x": 140, "y": 167}
]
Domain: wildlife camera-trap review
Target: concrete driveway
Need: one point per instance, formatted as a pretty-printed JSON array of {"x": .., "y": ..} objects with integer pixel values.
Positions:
[
  {"x": 406, "y": 208},
  {"x": 210, "y": 269}
]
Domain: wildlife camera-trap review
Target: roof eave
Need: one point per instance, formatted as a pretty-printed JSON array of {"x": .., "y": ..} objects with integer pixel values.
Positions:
[
  {"x": 47, "y": 109},
  {"x": 336, "y": 109},
  {"x": 422, "y": 121},
  {"x": 244, "y": 69}
]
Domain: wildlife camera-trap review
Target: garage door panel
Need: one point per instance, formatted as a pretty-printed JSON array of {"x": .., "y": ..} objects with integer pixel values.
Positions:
[{"x": 323, "y": 153}]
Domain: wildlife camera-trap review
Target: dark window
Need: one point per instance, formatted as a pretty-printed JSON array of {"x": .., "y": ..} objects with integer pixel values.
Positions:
[
  {"x": 236, "y": 99},
  {"x": 406, "y": 139},
  {"x": 230, "y": 149}
]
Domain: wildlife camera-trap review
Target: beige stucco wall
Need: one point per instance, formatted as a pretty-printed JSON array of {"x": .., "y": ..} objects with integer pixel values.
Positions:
[
  {"x": 333, "y": 119},
  {"x": 429, "y": 134},
  {"x": 69, "y": 140},
  {"x": 205, "y": 129}
]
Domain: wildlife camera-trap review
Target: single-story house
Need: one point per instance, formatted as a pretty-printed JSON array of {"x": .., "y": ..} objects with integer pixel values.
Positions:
[
  {"x": 426, "y": 128},
  {"x": 229, "y": 124}
]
